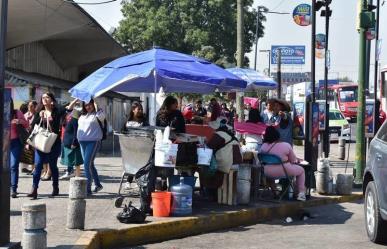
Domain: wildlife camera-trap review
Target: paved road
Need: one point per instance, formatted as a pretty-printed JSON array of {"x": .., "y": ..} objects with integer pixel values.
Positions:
[{"x": 333, "y": 226}]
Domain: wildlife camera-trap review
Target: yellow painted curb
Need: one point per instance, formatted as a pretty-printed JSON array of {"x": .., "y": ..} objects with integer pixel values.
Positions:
[
  {"x": 188, "y": 226},
  {"x": 88, "y": 240}
]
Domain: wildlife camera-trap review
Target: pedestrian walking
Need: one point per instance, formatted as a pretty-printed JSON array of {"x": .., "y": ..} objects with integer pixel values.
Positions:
[
  {"x": 71, "y": 151},
  {"x": 89, "y": 135},
  {"x": 17, "y": 122},
  {"x": 49, "y": 114}
]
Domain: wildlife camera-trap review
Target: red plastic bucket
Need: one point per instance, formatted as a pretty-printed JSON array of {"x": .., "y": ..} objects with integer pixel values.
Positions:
[{"x": 161, "y": 203}]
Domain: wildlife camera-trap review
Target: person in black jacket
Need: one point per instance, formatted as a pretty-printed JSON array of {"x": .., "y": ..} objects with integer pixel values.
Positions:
[
  {"x": 49, "y": 112},
  {"x": 71, "y": 152},
  {"x": 169, "y": 115}
]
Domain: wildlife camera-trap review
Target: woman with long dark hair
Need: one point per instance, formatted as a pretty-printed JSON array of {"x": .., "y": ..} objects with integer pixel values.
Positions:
[
  {"x": 169, "y": 115},
  {"x": 89, "y": 135},
  {"x": 136, "y": 118},
  {"x": 17, "y": 118},
  {"x": 48, "y": 112}
]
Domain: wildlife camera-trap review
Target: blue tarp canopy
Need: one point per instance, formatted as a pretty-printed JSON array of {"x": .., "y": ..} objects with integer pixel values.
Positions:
[
  {"x": 255, "y": 80},
  {"x": 150, "y": 70}
]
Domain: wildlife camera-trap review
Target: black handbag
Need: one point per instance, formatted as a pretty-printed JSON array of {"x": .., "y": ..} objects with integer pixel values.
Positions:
[
  {"x": 187, "y": 154},
  {"x": 131, "y": 214},
  {"x": 22, "y": 133}
]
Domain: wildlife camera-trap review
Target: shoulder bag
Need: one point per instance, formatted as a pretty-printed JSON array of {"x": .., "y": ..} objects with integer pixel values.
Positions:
[{"x": 41, "y": 138}]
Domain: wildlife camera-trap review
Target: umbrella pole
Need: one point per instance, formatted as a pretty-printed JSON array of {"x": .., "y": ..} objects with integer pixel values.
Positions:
[{"x": 155, "y": 93}]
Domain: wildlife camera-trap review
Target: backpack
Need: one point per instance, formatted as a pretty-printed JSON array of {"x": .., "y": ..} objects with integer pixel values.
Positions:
[{"x": 103, "y": 128}]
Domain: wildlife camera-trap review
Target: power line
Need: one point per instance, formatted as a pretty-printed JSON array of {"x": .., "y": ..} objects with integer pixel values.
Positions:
[
  {"x": 279, "y": 5},
  {"x": 88, "y": 3}
]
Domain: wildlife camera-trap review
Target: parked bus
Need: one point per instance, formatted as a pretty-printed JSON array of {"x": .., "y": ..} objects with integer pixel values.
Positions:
[{"x": 343, "y": 97}]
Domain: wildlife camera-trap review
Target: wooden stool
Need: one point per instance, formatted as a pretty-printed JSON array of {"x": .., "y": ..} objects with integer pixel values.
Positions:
[{"x": 227, "y": 193}]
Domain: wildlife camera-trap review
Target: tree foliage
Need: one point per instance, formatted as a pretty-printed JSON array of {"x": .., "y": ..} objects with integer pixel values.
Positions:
[{"x": 206, "y": 28}]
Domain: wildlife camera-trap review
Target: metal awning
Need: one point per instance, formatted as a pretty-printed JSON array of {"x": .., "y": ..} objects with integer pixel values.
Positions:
[
  {"x": 20, "y": 78},
  {"x": 69, "y": 33}
]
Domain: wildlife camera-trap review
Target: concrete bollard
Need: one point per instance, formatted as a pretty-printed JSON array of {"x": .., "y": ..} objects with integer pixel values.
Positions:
[
  {"x": 341, "y": 149},
  {"x": 34, "y": 223},
  {"x": 322, "y": 176},
  {"x": 76, "y": 209}
]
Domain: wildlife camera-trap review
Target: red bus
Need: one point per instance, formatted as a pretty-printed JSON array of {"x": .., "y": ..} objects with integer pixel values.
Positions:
[{"x": 342, "y": 97}]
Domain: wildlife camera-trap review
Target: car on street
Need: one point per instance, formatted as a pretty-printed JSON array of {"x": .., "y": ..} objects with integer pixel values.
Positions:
[
  {"x": 374, "y": 188},
  {"x": 338, "y": 125}
]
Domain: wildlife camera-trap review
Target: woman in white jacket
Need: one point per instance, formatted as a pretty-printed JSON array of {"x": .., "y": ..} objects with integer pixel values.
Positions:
[{"x": 89, "y": 135}]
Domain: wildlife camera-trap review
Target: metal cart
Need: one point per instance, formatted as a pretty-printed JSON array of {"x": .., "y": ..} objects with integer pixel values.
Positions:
[{"x": 137, "y": 145}]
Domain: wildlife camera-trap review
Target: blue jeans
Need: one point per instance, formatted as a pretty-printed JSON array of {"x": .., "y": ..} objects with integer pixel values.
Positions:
[
  {"x": 89, "y": 151},
  {"x": 52, "y": 160},
  {"x": 15, "y": 152}
]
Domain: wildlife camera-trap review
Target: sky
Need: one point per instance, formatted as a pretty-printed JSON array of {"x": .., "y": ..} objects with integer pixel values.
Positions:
[{"x": 281, "y": 30}]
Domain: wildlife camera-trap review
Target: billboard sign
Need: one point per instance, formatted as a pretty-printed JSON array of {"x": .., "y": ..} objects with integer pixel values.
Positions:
[
  {"x": 291, "y": 55},
  {"x": 302, "y": 14}
]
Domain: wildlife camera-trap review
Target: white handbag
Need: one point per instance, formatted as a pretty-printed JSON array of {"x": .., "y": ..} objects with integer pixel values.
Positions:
[{"x": 42, "y": 139}]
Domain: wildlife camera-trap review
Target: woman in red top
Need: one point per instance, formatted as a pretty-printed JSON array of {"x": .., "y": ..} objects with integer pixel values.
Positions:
[{"x": 17, "y": 118}]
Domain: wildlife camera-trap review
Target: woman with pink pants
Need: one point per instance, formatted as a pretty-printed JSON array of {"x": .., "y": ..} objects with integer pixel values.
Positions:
[{"x": 272, "y": 145}]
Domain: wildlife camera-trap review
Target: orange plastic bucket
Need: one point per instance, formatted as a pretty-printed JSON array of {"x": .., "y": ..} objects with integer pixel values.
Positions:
[{"x": 161, "y": 203}]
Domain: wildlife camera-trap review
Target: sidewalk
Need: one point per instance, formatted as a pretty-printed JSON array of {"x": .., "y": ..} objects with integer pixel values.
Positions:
[{"x": 100, "y": 214}]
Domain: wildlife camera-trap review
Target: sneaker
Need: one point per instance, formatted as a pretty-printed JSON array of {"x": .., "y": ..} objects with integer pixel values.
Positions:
[
  {"x": 301, "y": 196},
  {"x": 14, "y": 194},
  {"x": 67, "y": 176},
  {"x": 97, "y": 189}
]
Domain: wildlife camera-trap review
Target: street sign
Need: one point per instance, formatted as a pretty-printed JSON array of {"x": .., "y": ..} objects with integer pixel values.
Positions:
[
  {"x": 302, "y": 14},
  {"x": 290, "y": 55}
]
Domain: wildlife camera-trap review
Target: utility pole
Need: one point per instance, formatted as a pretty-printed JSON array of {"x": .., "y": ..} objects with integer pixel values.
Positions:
[
  {"x": 4, "y": 169},
  {"x": 240, "y": 55},
  {"x": 279, "y": 62},
  {"x": 257, "y": 37},
  {"x": 268, "y": 51},
  {"x": 366, "y": 21},
  {"x": 260, "y": 10},
  {"x": 376, "y": 66},
  {"x": 310, "y": 152},
  {"x": 327, "y": 13}
]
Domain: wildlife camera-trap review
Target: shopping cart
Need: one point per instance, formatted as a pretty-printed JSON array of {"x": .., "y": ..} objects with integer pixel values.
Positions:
[{"x": 137, "y": 145}]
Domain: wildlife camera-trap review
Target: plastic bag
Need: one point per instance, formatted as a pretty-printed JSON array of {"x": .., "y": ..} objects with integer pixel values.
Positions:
[
  {"x": 130, "y": 214},
  {"x": 204, "y": 156}
]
